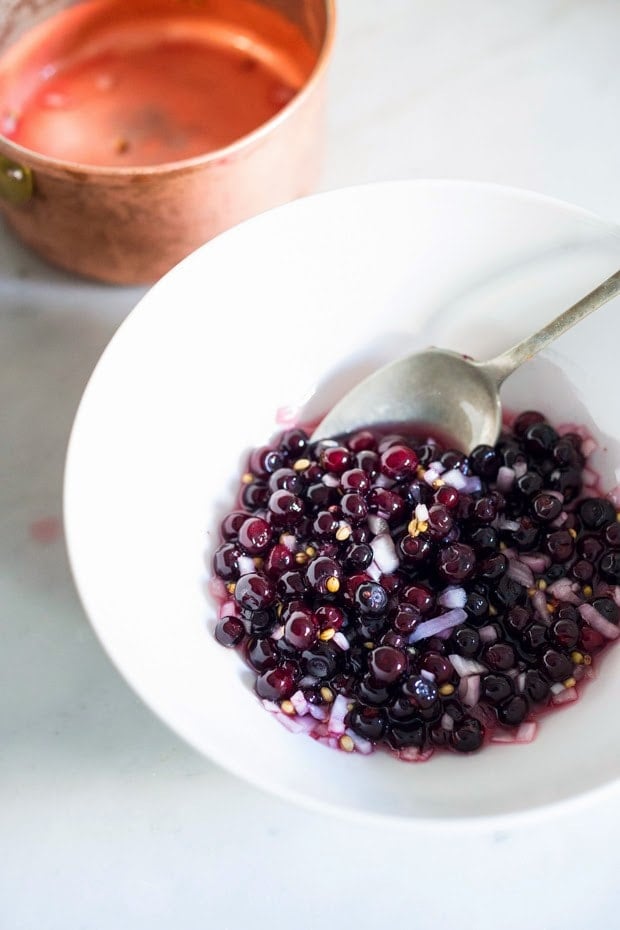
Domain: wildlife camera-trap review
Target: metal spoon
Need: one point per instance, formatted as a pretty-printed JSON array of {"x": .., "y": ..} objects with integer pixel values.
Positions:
[{"x": 447, "y": 393}]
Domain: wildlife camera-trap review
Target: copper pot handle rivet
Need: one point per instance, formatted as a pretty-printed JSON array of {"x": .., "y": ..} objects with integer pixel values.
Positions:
[{"x": 16, "y": 181}]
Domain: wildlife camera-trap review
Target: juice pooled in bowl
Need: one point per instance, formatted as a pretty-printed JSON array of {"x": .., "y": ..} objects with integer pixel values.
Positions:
[
  {"x": 397, "y": 594},
  {"x": 111, "y": 83}
]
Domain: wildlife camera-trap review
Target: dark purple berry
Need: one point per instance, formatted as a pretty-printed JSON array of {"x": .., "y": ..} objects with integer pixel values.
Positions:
[
  {"x": 301, "y": 628},
  {"x": 368, "y": 722},
  {"x": 456, "y": 562},
  {"x": 254, "y": 591},
  {"x": 513, "y": 711},
  {"x": 255, "y": 536},
  {"x": 275, "y": 684},
  {"x": 371, "y": 599},
  {"x": 229, "y": 631},
  {"x": 595, "y": 512},
  {"x": 495, "y": 687},
  {"x": 467, "y": 736},
  {"x": 546, "y": 507},
  {"x": 387, "y": 664},
  {"x": 556, "y": 665}
]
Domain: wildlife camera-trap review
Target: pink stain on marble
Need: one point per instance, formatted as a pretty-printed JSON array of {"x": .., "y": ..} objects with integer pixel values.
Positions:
[{"x": 46, "y": 530}]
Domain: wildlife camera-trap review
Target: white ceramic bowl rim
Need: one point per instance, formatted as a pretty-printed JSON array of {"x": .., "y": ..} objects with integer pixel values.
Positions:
[{"x": 94, "y": 404}]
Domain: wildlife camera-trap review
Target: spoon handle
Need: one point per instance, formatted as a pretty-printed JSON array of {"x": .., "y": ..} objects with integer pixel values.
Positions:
[{"x": 503, "y": 365}]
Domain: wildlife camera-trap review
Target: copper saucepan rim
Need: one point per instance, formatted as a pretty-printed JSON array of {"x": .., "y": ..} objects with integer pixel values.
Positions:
[{"x": 47, "y": 164}]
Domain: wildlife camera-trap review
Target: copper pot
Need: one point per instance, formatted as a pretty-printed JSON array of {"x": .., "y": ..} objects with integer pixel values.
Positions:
[{"x": 130, "y": 225}]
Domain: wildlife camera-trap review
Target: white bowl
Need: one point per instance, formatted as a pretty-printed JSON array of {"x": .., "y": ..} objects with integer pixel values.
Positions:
[{"x": 282, "y": 314}]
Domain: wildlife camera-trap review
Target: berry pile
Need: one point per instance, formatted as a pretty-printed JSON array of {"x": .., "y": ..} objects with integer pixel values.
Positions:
[{"x": 387, "y": 592}]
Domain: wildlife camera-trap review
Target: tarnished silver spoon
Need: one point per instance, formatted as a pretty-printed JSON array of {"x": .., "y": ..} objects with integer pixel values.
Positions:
[{"x": 447, "y": 393}]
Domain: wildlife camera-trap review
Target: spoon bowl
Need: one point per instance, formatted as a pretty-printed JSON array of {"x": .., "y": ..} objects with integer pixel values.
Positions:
[
  {"x": 440, "y": 392},
  {"x": 448, "y": 395}
]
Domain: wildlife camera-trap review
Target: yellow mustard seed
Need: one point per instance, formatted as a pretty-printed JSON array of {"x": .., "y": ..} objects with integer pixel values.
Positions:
[
  {"x": 258, "y": 561},
  {"x": 332, "y": 584},
  {"x": 587, "y": 660},
  {"x": 438, "y": 483},
  {"x": 248, "y": 478},
  {"x": 542, "y": 584},
  {"x": 343, "y": 532},
  {"x": 301, "y": 464},
  {"x": 550, "y": 608},
  {"x": 287, "y": 708},
  {"x": 310, "y": 552},
  {"x": 587, "y": 590},
  {"x": 327, "y": 694},
  {"x": 569, "y": 682},
  {"x": 230, "y": 587},
  {"x": 301, "y": 558},
  {"x": 327, "y": 634},
  {"x": 412, "y": 527},
  {"x": 446, "y": 690},
  {"x": 576, "y": 658},
  {"x": 573, "y": 533},
  {"x": 492, "y": 611},
  {"x": 345, "y": 742},
  {"x": 369, "y": 644}
]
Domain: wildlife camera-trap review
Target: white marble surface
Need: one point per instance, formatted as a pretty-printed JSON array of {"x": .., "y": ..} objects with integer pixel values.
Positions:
[{"x": 107, "y": 820}]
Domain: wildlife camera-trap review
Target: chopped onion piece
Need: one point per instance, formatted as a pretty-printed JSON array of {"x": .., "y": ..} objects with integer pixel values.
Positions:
[
  {"x": 428, "y": 675},
  {"x": 341, "y": 641},
  {"x": 330, "y": 741},
  {"x": 566, "y": 590},
  {"x": 614, "y": 496},
  {"x": 469, "y": 690},
  {"x": 382, "y": 481},
  {"x": 436, "y": 624},
  {"x": 246, "y": 565},
  {"x": 373, "y": 571},
  {"x": 447, "y": 722},
  {"x": 384, "y": 553},
  {"x": 520, "y": 469},
  {"x": 421, "y": 513},
  {"x": 464, "y": 667},
  {"x": 330, "y": 480},
  {"x": 271, "y": 706},
  {"x": 500, "y": 735},
  {"x": 455, "y": 478},
  {"x": 487, "y": 634},
  {"x": 217, "y": 588},
  {"x": 430, "y": 475},
  {"x": 363, "y": 746},
  {"x": 526, "y": 731},
  {"x": 520, "y": 572},
  {"x": 557, "y": 688},
  {"x": 294, "y": 724},
  {"x": 318, "y": 711},
  {"x": 598, "y": 622},
  {"x": 413, "y": 754},
  {"x": 453, "y": 596},
  {"x": 537, "y": 561},
  {"x": 510, "y": 525},
  {"x": 289, "y": 541},
  {"x": 437, "y": 467},
  {"x": 588, "y": 446},
  {"x": 566, "y": 696},
  {"x": 277, "y": 633},
  {"x": 300, "y": 703},
  {"x": 539, "y": 602},
  {"x": 339, "y": 711},
  {"x": 589, "y": 477},
  {"x": 377, "y": 525},
  {"x": 230, "y": 609},
  {"x": 505, "y": 478}
]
